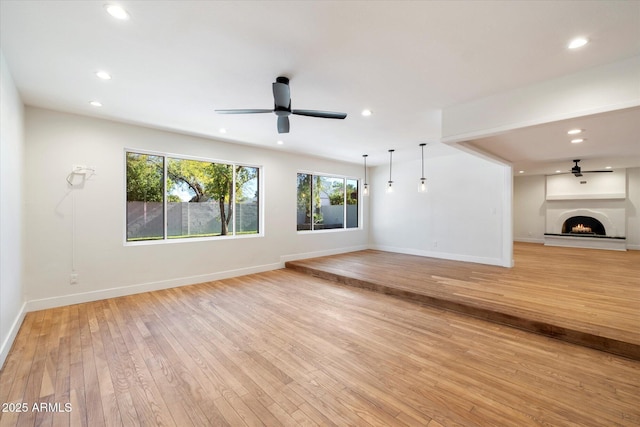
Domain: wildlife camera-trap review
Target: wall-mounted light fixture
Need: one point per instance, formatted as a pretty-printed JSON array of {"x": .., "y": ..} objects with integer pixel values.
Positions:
[
  {"x": 390, "y": 182},
  {"x": 365, "y": 187},
  {"x": 422, "y": 188}
]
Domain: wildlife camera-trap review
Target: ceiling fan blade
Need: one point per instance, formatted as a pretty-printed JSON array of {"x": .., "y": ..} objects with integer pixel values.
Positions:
[
  {"x": 283, "y": 124},
  {"x": 596, "y": 171},
  {"x": 282, "y": 93},
  {"x": 317, "y": 113},
  {"x": 245, "y": 111}
]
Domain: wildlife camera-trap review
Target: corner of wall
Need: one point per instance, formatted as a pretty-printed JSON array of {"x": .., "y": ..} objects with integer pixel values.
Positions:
[
  {"x": 11, "y": 216},
  {"x": 7, "y": 342}
]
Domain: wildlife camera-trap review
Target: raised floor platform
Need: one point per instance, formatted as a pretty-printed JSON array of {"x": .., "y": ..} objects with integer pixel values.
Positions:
[{"x": 582, "y": 296}]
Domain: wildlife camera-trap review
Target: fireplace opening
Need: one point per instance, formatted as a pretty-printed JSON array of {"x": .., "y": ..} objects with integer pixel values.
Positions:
[{"x": 583, "y": 225}]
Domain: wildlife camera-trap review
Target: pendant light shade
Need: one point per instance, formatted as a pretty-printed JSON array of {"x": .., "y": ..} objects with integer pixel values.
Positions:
[
  {"x": 390, "y": 182},
  {"x": 422, "y": 187},
  {"x": 365, "y": 186}
]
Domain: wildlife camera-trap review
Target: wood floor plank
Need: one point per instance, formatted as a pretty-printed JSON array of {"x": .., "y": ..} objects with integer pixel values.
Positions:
[
  {"x": 34, "y": 379},
  {"x": 17, "y": 367},
  {"x": 147, "y": 398},
  {"x": 63, "y": 380},
  {"x": 117, "y": 369},
  {"x": 110, "y": 410}
]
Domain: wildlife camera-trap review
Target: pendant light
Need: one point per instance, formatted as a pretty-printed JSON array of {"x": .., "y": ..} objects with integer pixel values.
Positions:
[
  {"x": 390, "y": 182},
  {"x": 422, "y": 188},
  {"x": 365, "y": 189}
]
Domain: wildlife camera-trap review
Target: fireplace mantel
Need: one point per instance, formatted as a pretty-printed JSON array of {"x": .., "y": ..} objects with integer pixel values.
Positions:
[{"x": 609, "y": 196}]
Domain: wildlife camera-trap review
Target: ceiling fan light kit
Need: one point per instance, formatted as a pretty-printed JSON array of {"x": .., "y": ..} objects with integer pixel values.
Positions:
[{"x": 282, "y": 107}]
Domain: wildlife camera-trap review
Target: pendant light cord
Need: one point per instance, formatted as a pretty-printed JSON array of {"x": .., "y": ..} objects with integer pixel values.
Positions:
[
  {"x": 365, "y": 167},
  {"x": 422, "y": 147}
]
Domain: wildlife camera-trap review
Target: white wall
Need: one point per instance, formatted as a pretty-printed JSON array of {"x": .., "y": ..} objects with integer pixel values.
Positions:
[
  {"x": 106, "y": 267},
  {"x": 11, "y": 198},
  {"x": 633, "y": 208},
  {"x": 612, "y": 185},
  {"x": 530, "y": 208},
  {"x": 465, "y": 215}
]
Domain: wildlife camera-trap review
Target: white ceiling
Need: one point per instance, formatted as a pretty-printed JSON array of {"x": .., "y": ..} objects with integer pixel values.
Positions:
[
  {"x": 174, "y": 62},
  {"x": 611, "y": 139}
]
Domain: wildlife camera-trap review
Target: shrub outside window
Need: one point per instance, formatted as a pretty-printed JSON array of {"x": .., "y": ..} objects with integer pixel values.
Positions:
[
  {"x": 326, "y": 202},
  {"x": 177, "y": 198}
]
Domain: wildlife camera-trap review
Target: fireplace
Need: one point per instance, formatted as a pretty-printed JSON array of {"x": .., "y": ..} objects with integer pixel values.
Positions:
[
  {"x": 601, "y": 227},
  {"x": 587, "y": 213},
  {"x": 583, "y": 225}
]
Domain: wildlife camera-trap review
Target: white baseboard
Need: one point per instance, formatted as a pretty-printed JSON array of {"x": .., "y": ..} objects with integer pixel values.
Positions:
[
  {"x": 60, "y": 301},
  {"x": 633, "y": 247},
  {"x": 528, "y": 240},
  {"x": 13, "y": 332},
  {"x": 316, "y": 254},
  {"x": 444, "y": 255}
]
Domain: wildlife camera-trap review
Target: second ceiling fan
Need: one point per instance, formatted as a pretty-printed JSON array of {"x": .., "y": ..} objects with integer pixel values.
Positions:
[
  {"x": 577, "y": 171},
  {"x": 282, "y": 107}
]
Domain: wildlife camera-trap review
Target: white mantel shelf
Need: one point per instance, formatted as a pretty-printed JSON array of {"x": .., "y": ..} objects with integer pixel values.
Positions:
[
  {"x": 611, "y": 196},
  {"x": 612, "y": 244}
]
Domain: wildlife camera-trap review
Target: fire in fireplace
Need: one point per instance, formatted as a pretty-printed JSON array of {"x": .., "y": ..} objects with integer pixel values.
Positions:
[{"x": 583, "y": 225}]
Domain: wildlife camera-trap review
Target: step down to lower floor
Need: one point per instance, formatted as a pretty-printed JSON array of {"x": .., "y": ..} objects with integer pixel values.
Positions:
[{"x": 586, "y": 339}]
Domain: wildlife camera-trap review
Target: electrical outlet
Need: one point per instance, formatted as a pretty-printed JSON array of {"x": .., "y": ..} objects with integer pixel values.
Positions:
[
  {"x": 73, "y": 279},
  {"x": 435, "y": 243}
]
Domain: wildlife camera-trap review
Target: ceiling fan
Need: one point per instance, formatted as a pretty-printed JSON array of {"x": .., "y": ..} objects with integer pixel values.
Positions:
[
  {"x": 282, "y": 107},
  {"x": 578, "y": 172}
]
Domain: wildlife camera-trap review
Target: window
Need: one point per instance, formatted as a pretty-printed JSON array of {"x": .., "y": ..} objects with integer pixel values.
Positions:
[
  {"x": 326, "y": 202},
  {"x": 145, "y": 197},
  {"x": 177, "y": 198}
]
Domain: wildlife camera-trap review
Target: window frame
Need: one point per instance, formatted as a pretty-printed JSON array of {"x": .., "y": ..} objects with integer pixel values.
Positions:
[
  {"x": 359, "y": 211},
  {"x": 173, "y": 240}
]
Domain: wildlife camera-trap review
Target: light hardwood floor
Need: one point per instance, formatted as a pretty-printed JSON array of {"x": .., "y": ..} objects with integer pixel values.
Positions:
[{"x": 285, "y": 349}]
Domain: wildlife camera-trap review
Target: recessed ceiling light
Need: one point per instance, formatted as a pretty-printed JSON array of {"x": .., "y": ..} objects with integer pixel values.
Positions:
[
  {"x": 366, "y": 113},
  {"x": 279, "y": 142},
  {"x": 103, "y": 75},
  {"x": 607, "y": 167},
  {"x": 520, "y": 171},
  {"x": 574, "y": 131},
  {"x": 577, "y": 42},
  {"x": 223, "y": 130},
  {"x": 96, "y": 103},
  {"x": 558, "y": 171},
  {"x": 577, "y": 140},
  {"x": 117, "y": 12}
]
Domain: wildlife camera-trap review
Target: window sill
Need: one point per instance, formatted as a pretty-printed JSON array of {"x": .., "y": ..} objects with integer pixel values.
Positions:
[{"x": 191, "y": 239}]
